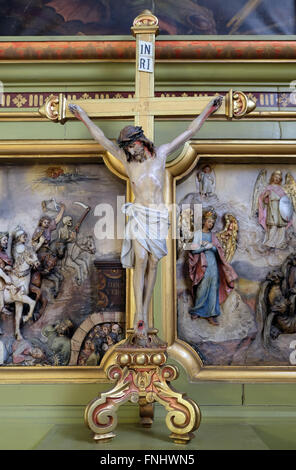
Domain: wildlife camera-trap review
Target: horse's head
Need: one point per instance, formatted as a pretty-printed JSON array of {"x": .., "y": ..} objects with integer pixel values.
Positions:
[
  {"x": 88, "y": 244},
  {"x": 60, "y": 249},
  {"x": 49, "y": 262},
  {"x": 29, "y": 257},
  {"x": 91, "y": 247},
  {"x": 32, "y": 258}
]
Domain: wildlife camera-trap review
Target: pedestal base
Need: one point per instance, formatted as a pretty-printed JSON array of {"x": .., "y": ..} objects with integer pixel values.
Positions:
[{"x": 142, "y": 376}]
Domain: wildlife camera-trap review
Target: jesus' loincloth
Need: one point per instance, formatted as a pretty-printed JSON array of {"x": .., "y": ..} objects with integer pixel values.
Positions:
[{"x": 149, "y": 226}]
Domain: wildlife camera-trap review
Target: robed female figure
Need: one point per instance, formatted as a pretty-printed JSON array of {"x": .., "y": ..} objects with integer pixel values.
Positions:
[{"x": 212, "y": 277}]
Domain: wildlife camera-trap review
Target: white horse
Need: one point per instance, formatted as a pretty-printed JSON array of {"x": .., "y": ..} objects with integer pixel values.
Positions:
[
  {"x": 18, "y": 292},
  {"x": 76, "y": 257}
]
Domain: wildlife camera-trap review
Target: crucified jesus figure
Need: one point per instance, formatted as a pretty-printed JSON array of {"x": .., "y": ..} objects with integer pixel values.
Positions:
[{"x": 144, "y": 243}]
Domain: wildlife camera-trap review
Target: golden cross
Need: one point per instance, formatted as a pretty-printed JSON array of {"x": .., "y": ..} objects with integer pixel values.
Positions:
[{"x": 143, "y": 108}]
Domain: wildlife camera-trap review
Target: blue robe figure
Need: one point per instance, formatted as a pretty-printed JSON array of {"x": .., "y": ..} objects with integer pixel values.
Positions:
[
  {"x": 207, "y": 291},
  {"x": 212, "y": 277}
]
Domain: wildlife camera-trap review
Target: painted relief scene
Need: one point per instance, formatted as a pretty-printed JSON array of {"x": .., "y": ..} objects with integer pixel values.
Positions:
[
  {"x": 62, "y": 288},
  {"x": 236, "y": 263}
]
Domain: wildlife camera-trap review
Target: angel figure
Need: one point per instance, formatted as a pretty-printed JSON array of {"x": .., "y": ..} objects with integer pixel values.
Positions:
[
  {"x": 211, "y": 275},
  {"x": 185, "y": 227},
  {"x": 206, "y": 180},
  {"x": 272, "y": 204}
]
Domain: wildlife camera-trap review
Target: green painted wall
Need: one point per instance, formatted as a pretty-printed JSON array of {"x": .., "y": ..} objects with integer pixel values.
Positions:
[{"x": 65, "y": 402}]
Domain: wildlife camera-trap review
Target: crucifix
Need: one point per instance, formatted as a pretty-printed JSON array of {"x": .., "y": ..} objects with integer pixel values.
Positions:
[
  {"x": 141, "y": 372},
  {"x": 144, "y": 107}
]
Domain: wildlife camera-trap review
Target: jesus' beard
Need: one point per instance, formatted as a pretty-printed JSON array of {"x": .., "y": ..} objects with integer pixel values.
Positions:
[
  {"x": 139, "y": 158},
  {"x": 148, "y": 151}
]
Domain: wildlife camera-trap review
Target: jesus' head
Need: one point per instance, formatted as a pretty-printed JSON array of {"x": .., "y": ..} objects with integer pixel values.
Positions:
[{"x": 135, "y": 145}]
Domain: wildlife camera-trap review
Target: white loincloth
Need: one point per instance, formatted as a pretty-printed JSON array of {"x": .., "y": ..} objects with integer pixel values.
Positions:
[{"x": 149, "y": 227}]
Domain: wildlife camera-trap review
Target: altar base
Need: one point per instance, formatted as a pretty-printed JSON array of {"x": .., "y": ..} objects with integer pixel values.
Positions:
[{"x": 142, "y": 376}]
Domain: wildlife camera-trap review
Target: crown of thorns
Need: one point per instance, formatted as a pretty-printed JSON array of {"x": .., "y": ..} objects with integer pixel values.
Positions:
[{"x": 129, "y": 135}]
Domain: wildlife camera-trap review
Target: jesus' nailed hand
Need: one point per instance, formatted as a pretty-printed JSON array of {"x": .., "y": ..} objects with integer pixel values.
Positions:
[{"x": 145, "y": 166}]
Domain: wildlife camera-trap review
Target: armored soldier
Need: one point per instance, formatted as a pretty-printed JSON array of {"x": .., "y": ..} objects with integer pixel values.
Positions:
[{"x": 5, "y": 266}]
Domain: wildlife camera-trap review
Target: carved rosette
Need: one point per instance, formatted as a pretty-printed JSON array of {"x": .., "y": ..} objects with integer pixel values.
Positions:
[
  {"x": 239, "y": 104},
  {"x": 54, "y": 108},
  {"x": 50, "y": 108}
]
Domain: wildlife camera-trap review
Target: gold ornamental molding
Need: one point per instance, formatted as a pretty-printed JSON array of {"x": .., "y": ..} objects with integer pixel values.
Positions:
[
  {"x": 40, "y": 116},
  {"x": 236, "y": 105},
  {"x": 40, "y": 150}
]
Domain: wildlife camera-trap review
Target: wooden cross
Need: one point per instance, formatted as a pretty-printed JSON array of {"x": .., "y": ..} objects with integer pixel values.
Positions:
[{"x": 143, "y": 108}]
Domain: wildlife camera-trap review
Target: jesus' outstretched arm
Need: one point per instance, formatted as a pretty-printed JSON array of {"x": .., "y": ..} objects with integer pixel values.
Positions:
[
  {"x": 193, "y": 128},
  {"x": 97, "y": 133}
]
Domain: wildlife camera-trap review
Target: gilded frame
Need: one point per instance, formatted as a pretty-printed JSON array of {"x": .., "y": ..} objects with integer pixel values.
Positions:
[{"x": 271, "y": 151}]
